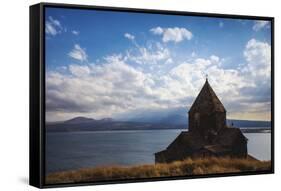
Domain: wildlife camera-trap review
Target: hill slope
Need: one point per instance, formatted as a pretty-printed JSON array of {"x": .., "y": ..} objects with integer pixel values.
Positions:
[
  {"x": 179, "y": 116},
  {"x": 89, "y": 124},
  {"x": 179, "y": 168}
]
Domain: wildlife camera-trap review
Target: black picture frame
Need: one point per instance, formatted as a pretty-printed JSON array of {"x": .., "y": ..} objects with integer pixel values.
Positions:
[{"x": 37, "y": 92}]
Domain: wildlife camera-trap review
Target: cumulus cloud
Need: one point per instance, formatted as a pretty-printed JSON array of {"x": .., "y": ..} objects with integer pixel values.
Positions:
[
  {"x": 75, "y": 32},
  {"x": 215, "y": 59},
  {"x": 129, "y": 36},
  {"x": 79, "y": 71},
  {"x": 258, "y": 25},
  {"x": 115, "y": 85},
  {"x": 53, "y": 27},
  {"x": 255, "y": 96},
  {"x": 105, "y": 89},
  {"x": 175, "y": 34},
  {"x": 157, "y": 30},
  {"x": 258, "y": 56},
  {"x": 191, "y": 74},
  {"x": 245, "y": 91},
  {"x": 78, "y": 53},
  {"x": 153, "y": 54}
]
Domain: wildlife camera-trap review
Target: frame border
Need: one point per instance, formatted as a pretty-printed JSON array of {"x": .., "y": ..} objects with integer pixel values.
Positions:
[{"x": 41, "y": 52}]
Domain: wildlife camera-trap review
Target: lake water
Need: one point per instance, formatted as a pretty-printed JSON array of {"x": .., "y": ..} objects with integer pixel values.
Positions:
[{"x": 74, "y": 150}]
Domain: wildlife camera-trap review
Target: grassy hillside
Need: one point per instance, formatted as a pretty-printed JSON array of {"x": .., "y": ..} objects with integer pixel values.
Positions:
[{"x": 179, "y": 168}]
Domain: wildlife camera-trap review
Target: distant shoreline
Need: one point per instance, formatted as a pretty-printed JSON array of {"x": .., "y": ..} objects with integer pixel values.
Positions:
[
  {"x": 109, "y": 124},
  {"x": 256, "y": 130},
  {"x": 244, "y": 130}
]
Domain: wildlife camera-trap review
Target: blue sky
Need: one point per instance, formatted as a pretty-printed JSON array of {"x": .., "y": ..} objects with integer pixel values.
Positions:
[{"x": 165, "y": 57}]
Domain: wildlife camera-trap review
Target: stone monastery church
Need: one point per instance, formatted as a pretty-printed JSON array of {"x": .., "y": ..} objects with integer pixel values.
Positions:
[{"x": 208, "y": 134}]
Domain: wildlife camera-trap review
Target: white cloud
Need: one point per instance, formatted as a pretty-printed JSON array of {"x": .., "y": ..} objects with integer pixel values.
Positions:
[
  {"x": 169, "y": 61},
  {"x": 172, "y": 34},
  {"x": 55, "y": 22},
  {"x": 157, "y": 30},
  {"x": 154, "y": 54},
  {"x": 75, "y": 32},
  {"x": 129, "y": 36},
  {"x": 79, "y": 71},
  {"x": 255, "y": 97},
  {"x": 50, "y": 29},
  {"x": 116, "y": 85},
  {"x": 101, "y": 90},
  {"x": 192, "y": 75},
  {"x": 53, "y": 27},
  {"x": 78, "y": 53},
  {"x": 258, "y": 56},
  {"x": 215, "y": 58},
  {"x": 258, "y": 25}
]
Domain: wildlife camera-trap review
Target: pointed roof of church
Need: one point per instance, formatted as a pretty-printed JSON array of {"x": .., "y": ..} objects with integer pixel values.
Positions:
[{"x": 207, "y": 101}]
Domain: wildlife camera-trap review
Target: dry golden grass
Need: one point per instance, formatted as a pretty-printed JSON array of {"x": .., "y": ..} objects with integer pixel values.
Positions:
[{"x": 178, "y": 168}]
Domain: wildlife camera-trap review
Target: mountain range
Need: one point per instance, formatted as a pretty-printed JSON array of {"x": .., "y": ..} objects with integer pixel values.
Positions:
[
  {"x": 89, "y": 124},
  {"x": 172, "y": 118},
  {"x": 179, "y": 116}
]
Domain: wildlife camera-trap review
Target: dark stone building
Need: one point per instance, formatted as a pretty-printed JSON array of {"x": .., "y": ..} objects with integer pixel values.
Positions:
[{"x": 208, "y": 133}]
